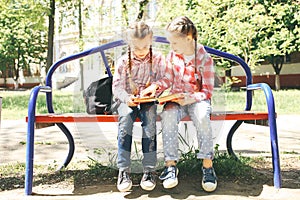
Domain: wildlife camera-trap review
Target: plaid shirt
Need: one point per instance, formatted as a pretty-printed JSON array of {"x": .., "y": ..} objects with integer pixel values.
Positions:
[
  {"x": 180, "y": 76},
  {"x": 140, "y": 73}
]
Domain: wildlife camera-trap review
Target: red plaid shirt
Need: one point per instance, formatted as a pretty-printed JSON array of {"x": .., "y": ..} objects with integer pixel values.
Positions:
[
  {"x": 140, "y": 73},
  {"x": 180, "y": 76}
]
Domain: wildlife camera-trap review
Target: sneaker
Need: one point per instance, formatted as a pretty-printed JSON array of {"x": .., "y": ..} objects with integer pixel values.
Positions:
[
  {"x": 148, "y": 181},
  {"x": 209, "y": 180},
  {"x": 169, "y": 177},
  {"x": 124, "y": 183}
]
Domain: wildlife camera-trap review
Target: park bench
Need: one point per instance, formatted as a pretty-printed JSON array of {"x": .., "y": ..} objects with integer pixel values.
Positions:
[{"x": 59, "y": 119}]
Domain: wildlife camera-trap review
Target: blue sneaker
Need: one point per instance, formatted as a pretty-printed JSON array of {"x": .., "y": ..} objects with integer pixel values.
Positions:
[
  {"x": 209, "y": 179},
  {"x": 169, "y": 177}
]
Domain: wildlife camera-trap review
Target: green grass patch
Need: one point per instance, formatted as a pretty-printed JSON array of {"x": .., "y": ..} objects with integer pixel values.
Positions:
[
  {"x": 224, "y": 165},
  {"x": 285, "y": 101},
  {"x": 15, "y": 104}
]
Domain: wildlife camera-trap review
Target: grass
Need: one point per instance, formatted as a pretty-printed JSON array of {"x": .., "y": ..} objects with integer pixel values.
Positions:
[
  {"x": 15, "y": 104},
  {"x": 285, "y": 101},
  {"x": 224, "y": 164}
]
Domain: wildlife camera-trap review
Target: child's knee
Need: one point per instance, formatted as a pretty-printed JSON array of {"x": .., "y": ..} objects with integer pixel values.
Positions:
[{"x": 171, "y": 106}]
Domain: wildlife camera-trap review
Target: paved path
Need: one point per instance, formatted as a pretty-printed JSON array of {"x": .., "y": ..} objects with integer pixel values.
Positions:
[{"x": 51, "y": 146}]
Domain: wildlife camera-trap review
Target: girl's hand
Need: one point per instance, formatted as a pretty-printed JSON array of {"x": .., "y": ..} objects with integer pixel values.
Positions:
[
  {"x": 149, "y": 91},
  {"x": 185, "y": 100},
  {"x": 131, "y": 102}
]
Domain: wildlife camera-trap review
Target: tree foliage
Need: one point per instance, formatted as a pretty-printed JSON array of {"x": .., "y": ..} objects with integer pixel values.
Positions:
[
  {"x": 255, "y": 30},
  {"x": 22, "y": 36},
  {"x": 282, "y": 35}
]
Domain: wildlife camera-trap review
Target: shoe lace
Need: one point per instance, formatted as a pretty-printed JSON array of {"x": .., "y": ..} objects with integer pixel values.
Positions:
[
  {"x": 209, "y": 175},
  {"x": 171, "y": 169},
  {"x": 124, "y": 176},
  {"x": 168, "y": 172},
  {"x": 148, "y": 176}
]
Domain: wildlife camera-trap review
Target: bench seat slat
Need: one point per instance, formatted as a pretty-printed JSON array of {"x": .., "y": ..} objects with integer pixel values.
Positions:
[{"x": 82, "y": 117}]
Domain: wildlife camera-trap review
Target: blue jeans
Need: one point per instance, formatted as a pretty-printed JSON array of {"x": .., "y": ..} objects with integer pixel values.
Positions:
[
  {"x": 147, "y": 113},
  {"x": 199, "y": 113}
]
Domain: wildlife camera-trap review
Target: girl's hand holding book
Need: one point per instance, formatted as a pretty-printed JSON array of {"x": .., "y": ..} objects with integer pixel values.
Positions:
[
  {"x": 149, "y": 91},
  {"x": 132, "y": 102}
]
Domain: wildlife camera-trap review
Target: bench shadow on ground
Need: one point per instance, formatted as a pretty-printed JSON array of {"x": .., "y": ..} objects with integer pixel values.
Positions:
[
  {"x": 82, "y": 184},
  {"x": 186, "y": 187},
  {"x": 189, "y": 185}
]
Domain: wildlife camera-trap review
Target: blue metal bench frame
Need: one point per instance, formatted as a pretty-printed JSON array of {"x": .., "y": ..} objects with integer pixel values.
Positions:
[{"x": 32, "y": 118}]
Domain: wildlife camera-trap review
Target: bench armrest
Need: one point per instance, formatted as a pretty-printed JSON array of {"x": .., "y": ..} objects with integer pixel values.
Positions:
[
  {"x": 268, "y": 93},
  {"x": 33, "y": 97},
  {"x": 32, "y": 100}
]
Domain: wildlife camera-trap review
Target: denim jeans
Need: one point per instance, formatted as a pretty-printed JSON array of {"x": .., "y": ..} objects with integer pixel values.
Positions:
[
  {"x": 199, "y": 113},
  {"x": 147, "y": 113}
]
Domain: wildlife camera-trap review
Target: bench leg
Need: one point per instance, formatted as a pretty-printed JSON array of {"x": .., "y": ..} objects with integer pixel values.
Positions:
[
  {"x": 273, "y": 130},
  {"x": 30, "y": 152},
  {"x": 235, "y": 126},
  {"x": 69, "y": 136},
  {"x": 275, "y": 150},
  {"x": 30, "y": 137},
  {"x": 29, "y": 155}
]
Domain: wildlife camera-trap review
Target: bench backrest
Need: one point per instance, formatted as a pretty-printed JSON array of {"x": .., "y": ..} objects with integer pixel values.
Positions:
[{"x": 102, "y": 48}]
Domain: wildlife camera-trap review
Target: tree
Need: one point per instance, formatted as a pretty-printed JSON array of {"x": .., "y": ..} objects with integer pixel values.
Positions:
[
  {"x": 51, "y": 23},
  {"x": 255, "y": 30},
  {"x": 22, "y": 37},
  {"x": 125, "y": 12},
  {"x": 142, "y": 9},
  {"x": 226, "y": 25},
  {"x": 282, "y": 35}
]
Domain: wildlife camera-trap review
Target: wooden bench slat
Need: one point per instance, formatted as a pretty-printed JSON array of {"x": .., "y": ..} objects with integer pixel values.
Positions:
[{"x": 81, "y": 117}]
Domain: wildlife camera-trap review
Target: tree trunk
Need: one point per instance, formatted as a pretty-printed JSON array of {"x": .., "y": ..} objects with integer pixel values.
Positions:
[
  {"x": 80, "y": 44},
  {"x": 277, "y": 64},
  {"x": 50, "y": 35},
  {"x": 125, "y": 12},
  {"x": 17, "y": 70},
  {"x": 16, "y": 77},
  {"x": 142, "y": 9},
  {"x": 277, "y": 82}
]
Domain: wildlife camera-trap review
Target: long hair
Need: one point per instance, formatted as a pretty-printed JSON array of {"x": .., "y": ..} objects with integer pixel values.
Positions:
[
  {"x": 184, "y": 26},
  {"x": 137, "y": 30}
]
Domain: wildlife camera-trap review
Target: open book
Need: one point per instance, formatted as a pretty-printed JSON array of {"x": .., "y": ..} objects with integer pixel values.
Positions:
[{"x": 162, "y": 99}]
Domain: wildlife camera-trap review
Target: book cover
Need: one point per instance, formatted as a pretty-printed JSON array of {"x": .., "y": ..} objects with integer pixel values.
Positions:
[{"x": 162, "y": 99}]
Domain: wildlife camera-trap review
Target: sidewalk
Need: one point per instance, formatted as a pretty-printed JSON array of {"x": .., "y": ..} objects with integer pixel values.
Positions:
[{"x": 249, "y": 140}]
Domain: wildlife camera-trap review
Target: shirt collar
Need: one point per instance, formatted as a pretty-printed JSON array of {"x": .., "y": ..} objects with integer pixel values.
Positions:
[{"x": 145, "y": 59}]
